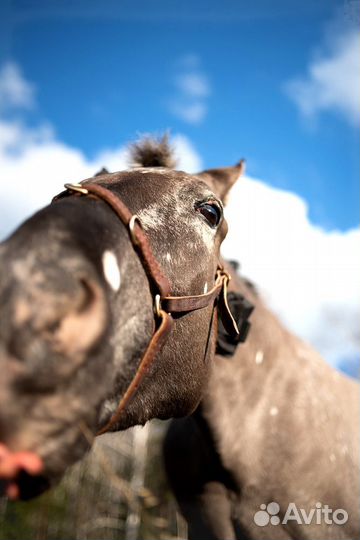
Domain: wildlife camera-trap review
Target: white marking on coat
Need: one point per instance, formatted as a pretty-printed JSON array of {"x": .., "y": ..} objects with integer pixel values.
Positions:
[
  {"x": 274, "y": 411},
  {"x": 168, "y": 256},
  {"x": 111, "y": 270},
  {"x": 205, "y": 288},
  {"x": 259, "y": 357},
  {"x": 150, "y": 218}
]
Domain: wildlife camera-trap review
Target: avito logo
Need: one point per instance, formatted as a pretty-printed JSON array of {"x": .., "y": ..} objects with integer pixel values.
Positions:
[{"x": 318, "y": 515}]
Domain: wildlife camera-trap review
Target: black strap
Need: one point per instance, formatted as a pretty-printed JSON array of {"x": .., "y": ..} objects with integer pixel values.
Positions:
[{"x": 241, "y": 310}]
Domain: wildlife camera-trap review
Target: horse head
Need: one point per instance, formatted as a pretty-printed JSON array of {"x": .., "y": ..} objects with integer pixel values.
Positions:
[{"x": 77, "y": 311}]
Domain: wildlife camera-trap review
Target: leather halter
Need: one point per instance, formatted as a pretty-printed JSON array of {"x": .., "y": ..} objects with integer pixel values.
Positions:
[{"x": 164, "y": 303}]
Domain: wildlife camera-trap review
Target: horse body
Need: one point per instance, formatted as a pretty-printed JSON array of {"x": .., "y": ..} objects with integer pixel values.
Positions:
[{"x": 276, "y": 424}]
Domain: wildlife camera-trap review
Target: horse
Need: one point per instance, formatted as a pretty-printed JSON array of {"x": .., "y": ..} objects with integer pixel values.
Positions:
[
  {"x": 272, "y": 451},
  {"x": 110, "y": 299}
]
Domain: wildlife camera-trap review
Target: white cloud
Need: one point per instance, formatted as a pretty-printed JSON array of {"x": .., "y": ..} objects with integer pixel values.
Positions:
[
  {"x": 310, "y": 276},
  {"x": 192, "y": 113},
  {"x": 333, "y": 80},
  {"x": 193, "y": 84},
  {"x": 187, "y": 158},
  {"x": 192, "y": 90},
  {"x": 15, "y": 91}
]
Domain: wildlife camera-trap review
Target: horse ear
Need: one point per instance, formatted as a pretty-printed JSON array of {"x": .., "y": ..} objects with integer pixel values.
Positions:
[{"x": 222, "y": 180}]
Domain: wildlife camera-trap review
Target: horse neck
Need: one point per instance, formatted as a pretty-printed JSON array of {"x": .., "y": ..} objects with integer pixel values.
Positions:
[{"x": 272, "y": 372}]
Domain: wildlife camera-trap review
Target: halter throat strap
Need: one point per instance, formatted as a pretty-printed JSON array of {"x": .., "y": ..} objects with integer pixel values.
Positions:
[{"x": 164, "y": 303}]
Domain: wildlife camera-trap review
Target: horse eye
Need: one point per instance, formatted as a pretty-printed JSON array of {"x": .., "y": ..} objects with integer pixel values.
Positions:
[{"x": 212, "y": 212}]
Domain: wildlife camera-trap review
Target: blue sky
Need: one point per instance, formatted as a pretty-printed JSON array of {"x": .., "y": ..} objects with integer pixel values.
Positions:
[{"x": 217, "y": 72}]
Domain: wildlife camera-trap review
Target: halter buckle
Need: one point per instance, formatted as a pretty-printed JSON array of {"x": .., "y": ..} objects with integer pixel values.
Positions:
[{"x": 222, "y": 277}]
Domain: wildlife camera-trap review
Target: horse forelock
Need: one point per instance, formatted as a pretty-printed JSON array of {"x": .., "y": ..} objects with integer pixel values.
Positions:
[{"x": 152, "y": 152}]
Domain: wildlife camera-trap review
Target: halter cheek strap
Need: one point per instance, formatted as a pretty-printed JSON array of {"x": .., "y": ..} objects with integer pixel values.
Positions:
[{"x": 164, "y": 303}]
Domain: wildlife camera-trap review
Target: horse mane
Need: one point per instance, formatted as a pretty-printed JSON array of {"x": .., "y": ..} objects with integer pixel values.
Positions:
[{"x": 152, "y": 152}]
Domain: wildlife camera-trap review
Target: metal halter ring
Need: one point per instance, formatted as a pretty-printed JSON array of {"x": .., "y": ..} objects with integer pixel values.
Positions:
[
  {"x": 157, "y": 305},
  {"x": 133, "y": 220}
]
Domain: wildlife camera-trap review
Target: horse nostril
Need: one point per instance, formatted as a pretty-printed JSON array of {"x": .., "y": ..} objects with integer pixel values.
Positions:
[
  {"x": 21, "y": 474},
  {"x": 30, "y": 486}
]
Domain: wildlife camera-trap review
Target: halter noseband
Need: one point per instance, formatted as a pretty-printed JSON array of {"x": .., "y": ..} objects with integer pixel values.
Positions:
[{"x": 164, "y": 303}]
